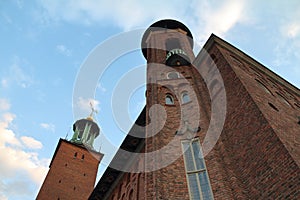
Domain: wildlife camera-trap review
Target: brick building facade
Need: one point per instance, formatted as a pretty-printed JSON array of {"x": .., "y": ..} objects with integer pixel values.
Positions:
[{"x": 216, "y": 126}]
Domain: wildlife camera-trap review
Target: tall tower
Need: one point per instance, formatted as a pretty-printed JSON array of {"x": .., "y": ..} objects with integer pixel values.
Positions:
[
  {"x": 74, "y": 165},
  {"x": 176, "y": 98}
]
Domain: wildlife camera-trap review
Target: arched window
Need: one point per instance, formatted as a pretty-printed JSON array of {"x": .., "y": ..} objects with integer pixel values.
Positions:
[
  {"x": 173, "y": 75},
  {"x": 75, "y": 154},
  {"x": 169, "y": 100},
  {"x": 185, "y": 98}
]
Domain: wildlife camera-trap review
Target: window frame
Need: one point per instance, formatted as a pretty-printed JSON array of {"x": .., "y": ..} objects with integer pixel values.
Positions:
[
  {"x": 169, "y": 73},
  {"x": 172, "y": 99},
  {"x": 196, "y": 170}
]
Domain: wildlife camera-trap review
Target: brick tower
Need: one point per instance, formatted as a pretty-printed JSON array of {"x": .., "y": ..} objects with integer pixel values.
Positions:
[
  {"x": 216, "y": 126},
  {"x": 74, "y": 165},
  {"x": 176, "y": 98}
]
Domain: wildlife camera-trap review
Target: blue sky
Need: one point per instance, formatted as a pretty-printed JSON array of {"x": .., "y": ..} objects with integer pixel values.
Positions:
[{"x": 44, "y": 44}]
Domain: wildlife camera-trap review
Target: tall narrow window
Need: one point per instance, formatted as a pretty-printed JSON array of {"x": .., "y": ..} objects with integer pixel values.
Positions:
[
  {"x": 169, "y": 100},
  {"x": 196, "y": 173}
]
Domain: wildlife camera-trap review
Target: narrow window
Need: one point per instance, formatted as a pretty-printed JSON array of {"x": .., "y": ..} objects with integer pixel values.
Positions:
[
  {"x": 75, "y": 154},
  {"x": 272, "y": 106},
  {"x": 196, "y": 173},
  {"x": 185, "y": 98},
  {"x": 169, "y": 99},
  {"x": 82, "y": 157}
]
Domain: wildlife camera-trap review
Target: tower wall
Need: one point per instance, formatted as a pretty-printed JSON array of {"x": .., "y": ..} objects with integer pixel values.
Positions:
[{"x": 72, "y": 173}]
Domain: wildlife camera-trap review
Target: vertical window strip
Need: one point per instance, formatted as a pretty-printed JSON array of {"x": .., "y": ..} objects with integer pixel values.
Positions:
[{"x": 197, "y": 177}]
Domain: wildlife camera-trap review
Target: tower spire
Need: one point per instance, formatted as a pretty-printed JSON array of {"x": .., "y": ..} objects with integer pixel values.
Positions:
[
  {"x": 86, "y": 130},
  {"x": 93, "y": 110}
]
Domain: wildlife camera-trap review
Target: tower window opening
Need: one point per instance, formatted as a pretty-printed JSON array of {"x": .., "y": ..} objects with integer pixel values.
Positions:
[
  {"x": 82, "y": 157},
  {"x": 75, "y": 155},
  {"x": 185, "y": 98},
  {"x": 74, "y": 188},
  {"x": 173, "y": 75},
  {"x": 169, "y": 100}
]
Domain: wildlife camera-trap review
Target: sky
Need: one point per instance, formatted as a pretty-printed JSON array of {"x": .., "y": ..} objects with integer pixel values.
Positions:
[{"x": 44, "y": 45}]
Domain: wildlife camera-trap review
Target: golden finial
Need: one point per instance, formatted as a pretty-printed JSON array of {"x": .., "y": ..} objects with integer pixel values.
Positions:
[{"x": 90, "y": 117}]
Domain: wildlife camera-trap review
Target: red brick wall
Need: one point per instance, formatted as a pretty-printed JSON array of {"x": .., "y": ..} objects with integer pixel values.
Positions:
[
  {"x": 257, "y": 153},
  {"x": 251, "y": 152},
  {"x": 70, "y": 177}
]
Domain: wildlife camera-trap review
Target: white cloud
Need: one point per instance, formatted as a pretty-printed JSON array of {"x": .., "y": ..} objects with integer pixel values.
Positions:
[
  {"x": 62, "y": 49},
  {"x": 4, "y": 104},
  {"x": 48, "y": 126},
  {"x": 18, "y": 162},
  {"x": 207, "y": 16},
  {"x": 31, "y": 143},
  {"x": 19, "y": 73},
  {"x": 101, "y": 88},
  {"x": 4, "y": 82},
  {"x": 124, "y": 13},
  {"x": 293, "y": 30},
  {"x": 83, "y": 105},
  {"x": 216, "y": 17}
]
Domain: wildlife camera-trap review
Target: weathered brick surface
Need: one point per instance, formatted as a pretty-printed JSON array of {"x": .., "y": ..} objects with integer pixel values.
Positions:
[{"x": 70, "y": 177}]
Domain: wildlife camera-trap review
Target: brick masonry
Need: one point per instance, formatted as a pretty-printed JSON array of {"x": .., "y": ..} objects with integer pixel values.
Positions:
[
  {"x": 72, "y": 173},
  {"x": 257, "y": 153}
]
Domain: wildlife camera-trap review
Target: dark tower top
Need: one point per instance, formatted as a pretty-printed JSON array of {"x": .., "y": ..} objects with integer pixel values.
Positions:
[
  {"x": 170, "y": 39},
  {"x": 165, "y": 24}
]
